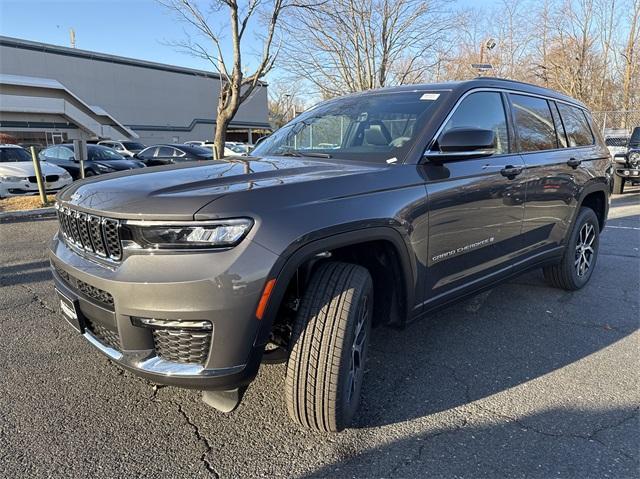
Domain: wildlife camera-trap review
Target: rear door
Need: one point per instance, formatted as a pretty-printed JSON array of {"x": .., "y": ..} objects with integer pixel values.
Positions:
[
  {"x": 475, "y": 211},
  {"x": 554, "y": 139}
]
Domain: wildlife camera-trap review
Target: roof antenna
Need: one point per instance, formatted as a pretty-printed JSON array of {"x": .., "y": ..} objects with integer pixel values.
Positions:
[{"x": 72, "y": 37}]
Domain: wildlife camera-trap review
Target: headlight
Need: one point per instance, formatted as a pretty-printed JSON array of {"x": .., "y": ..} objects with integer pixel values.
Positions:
[
  {"x": 196, "y": 234},
  {"x": 65, "y": 175},
  {"x": 12, "y": 178},
  {"x": 634, "y": 159},
  {"x": 104, "y": 167}
]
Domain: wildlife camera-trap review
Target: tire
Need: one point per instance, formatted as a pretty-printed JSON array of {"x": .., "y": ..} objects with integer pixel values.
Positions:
[
  {"x": 89, "y": 173},
  {"x": 568, "y": 273},
  {"x": 319, "y": 390},
  {"x": 618, "y": 185}
]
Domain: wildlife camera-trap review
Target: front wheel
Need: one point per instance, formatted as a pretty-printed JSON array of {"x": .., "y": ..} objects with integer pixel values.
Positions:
[
  {"x": 329, "y": 346},
  {"x": 579, "y": 259}
]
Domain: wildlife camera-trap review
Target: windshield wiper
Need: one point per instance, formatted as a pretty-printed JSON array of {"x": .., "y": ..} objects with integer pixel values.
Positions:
[{"x": 292, "y": 152}]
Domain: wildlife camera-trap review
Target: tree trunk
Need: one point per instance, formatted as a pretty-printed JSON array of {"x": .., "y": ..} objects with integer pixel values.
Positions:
[{"x": 220, "y": 138}]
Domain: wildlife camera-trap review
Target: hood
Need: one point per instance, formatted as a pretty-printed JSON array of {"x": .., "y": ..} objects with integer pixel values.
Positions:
[
  {"x": 25, "y": 168},
  {"x": 177, "y": 192}
]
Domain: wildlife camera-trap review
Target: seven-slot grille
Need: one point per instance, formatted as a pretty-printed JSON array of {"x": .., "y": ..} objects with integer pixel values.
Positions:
[{"x": 92, "y": 233}]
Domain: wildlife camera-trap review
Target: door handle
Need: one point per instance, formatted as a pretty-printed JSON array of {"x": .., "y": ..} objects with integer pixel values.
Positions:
[
  {"x": 511, "y": 171},
  {"x": 574, "y": 162}
]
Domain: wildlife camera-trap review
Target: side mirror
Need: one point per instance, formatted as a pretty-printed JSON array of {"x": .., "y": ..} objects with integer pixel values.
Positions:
[
  {"x": 465, "y": 143},
  {"x": 620, "y": 158}
]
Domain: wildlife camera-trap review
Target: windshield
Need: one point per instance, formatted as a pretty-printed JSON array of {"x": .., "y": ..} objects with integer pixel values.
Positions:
[
  {"x": 132, "y": 145},
  {"x": 96, "y": 152},
  {"x": 379, "y": 127},
  {"x": 10, "y": 155}
]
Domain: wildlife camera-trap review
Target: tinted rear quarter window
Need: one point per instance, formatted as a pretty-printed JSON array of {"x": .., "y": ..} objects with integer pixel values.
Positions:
[
  {"x": 576, "y": 126},
  {"x": 482, "y": 110},
  {"x": 534, "y": 123}
]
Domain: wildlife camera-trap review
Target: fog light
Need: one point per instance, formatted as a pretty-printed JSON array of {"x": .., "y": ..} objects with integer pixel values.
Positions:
[
  {"x": 154, "y": 323},
  {"x": 626, "y": 172}
]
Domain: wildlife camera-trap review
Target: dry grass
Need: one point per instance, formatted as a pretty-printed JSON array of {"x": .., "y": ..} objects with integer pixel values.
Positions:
[{"x": 18, "y": 203}]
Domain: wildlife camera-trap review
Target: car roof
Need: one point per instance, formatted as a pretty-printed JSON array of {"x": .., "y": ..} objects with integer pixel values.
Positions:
[
  {"x": 479, "y": 82},
  {"x": 9, "y": 145}
]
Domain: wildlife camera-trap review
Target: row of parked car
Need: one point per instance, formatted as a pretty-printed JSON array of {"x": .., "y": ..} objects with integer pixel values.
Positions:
[{"x": 60, "y": 167}]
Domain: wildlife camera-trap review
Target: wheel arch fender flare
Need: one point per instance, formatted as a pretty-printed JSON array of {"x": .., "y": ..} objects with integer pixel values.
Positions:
[
  {"x": 297, "y": 254},
  {"x": 588, "y": 189}
]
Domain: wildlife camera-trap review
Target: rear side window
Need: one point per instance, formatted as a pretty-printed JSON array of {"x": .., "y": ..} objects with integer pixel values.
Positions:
[
  {"x": 165, "y": 151},
  {"x": 482, "y": 110},
  {"x": 575, "y": 125},
  {"x": 534, "y": 123},
  {"x": 562, "y": 137}
]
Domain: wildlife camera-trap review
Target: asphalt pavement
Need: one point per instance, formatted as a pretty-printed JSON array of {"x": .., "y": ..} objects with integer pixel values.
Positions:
[{"x": 521, "y": 381}]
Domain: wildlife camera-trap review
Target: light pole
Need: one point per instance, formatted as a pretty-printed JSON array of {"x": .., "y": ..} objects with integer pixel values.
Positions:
[{"x": 488, "y": 45}]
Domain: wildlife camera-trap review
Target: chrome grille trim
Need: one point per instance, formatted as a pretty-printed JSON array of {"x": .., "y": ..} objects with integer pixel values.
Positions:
[{"x": 91, "y": 233}]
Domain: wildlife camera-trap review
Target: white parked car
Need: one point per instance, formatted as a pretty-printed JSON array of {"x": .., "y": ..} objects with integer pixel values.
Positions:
[
  {"x": 125, "y": 148},
  {"x": 228, "y": 146},
  {"x": 18, "y": 177}
]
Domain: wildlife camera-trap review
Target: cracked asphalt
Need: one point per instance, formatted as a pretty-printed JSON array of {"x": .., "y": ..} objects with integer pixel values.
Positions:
[{"x": 521, "y": 381}]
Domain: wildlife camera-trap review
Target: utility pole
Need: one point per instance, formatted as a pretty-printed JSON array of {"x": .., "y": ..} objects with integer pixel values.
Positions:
[{"x": 72, "y": 37}]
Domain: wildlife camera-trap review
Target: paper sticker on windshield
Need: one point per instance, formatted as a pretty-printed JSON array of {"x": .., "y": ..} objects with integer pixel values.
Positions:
[{"x": 430, "y": 96}]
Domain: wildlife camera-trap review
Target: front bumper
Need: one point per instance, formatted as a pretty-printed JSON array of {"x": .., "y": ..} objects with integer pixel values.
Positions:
[
  {"x": 221, "y": 287},
  {"x": 628, "y": 173},
  {"x": 22, "y": 188}
]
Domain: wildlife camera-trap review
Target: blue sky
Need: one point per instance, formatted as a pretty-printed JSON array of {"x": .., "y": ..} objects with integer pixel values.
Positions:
[{"x": 133, "y": 28}]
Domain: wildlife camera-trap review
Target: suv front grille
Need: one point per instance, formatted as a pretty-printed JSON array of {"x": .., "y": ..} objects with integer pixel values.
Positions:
[
  {"x": 92, "y": 292},
  {"x": 104, "y": 335},
  {"x": 94, "y": 234},
  {"x": 182, "y": 346}
]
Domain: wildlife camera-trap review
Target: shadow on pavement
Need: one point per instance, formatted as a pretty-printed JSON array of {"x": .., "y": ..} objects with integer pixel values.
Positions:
[
  {"x": 503, "y": 447},
  {"x": 24, "y": 273},
  {"x": 513, "y": 334}
]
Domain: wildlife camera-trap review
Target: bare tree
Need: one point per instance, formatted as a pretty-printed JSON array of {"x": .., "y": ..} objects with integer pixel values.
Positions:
[
  {"x": 630, "y": 56},
  {"x": 206, "y": 42},
  {"x": 284, "y": 103},
  {"x": 347, "y": 46}
]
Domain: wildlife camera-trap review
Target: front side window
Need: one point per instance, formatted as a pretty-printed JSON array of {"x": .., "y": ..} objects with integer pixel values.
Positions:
[
  {"x": 483, "y": 110},
  {"x": 148, "y": 153},
  {"x": 534, "y": 123},
  {"x": 576, "y": 125},
  {"x": 378, "y": 127}
]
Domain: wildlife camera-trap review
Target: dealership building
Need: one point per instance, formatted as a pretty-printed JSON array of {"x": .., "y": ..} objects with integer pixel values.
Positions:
[{"x": 50, "y": 94}]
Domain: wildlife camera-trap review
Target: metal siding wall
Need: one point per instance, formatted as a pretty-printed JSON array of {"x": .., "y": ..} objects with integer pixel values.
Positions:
[{"x": 135, "y": 95}]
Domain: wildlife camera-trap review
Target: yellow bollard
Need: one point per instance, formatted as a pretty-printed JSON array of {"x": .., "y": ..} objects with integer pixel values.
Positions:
[{"x": 36, "y": 167}]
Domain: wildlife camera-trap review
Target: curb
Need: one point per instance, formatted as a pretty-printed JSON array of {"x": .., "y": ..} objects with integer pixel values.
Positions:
[{"x": 50, "y": 211}]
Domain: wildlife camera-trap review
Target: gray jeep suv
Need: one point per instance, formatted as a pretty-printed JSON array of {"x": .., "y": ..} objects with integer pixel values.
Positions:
[{"x": 371, "y": 209}]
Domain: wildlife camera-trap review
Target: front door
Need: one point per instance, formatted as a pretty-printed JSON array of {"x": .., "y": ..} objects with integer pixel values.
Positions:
[{"x": 476, "y": 205}]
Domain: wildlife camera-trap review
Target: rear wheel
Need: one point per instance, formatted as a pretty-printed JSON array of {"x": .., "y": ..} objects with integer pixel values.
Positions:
[
  {"x": 329, "y": 346},
  {"x": 576, "y": 266},
  {"x": 89, "y": 173},
  {"x": 618, "y": 185}
]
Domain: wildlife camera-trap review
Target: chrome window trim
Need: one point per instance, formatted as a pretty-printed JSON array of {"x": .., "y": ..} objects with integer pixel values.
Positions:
[{"x": 428, "y": 150}]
